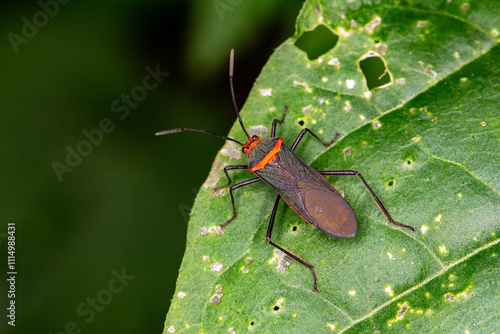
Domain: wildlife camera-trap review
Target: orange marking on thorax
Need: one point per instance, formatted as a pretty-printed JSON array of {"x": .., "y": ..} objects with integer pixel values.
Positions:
[{"x": 268, "y": 156}]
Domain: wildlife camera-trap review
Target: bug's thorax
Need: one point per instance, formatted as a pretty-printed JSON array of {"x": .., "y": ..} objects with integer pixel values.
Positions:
[{"x": 261, "y": 152}]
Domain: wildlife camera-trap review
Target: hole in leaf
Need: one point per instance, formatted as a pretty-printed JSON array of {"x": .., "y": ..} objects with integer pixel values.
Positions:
[
  {"x": 276, "y": 308},
  {"x": 294, "y": 228},
  {"x": 375, "y": 72},
  {"x": 317, "y": 42},
  {"x": 252, "y": 323},
  {"x": 390, "y": 183},
  {"x": 408, "y": 162},
  {"x": 301, "y": 123}
]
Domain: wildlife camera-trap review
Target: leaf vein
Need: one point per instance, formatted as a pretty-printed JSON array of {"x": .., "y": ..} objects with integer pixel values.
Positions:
[{"x": 427, "y": 280}]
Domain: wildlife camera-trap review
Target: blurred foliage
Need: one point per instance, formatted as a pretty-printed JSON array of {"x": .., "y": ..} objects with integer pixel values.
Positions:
[{"x": 125, "y": 204}]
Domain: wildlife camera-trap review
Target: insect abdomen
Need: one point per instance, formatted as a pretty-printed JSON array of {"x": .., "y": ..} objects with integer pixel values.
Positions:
[{"x": 309, "y": 194}]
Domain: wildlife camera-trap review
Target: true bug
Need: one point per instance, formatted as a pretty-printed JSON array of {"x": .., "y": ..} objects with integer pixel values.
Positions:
[{"x": 304, "y": 189}]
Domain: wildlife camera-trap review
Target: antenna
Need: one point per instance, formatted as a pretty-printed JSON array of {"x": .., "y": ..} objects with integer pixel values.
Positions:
[
  {"x": 167, "y": 132},
  {"x": 231, "y": 71},
  {"x": 231, "y": 66}
]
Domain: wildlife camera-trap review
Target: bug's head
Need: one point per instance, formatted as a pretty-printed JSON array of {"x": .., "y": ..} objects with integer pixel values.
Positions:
[{"x": 250, "y": 144}]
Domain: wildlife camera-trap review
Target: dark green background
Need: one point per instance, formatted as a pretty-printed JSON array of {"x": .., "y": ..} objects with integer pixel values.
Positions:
[{"x": 120, "y": 207}]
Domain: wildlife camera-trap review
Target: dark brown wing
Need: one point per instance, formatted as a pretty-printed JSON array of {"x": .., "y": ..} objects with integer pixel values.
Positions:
[
  {"x": 309, "y": 194},
  {"x": 330, "y": 212}
]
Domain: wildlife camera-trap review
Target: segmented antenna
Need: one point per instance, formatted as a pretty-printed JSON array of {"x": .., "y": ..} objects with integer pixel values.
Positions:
[
  {"x": 167, "y": 132},
  {"x": 231, "y": 70},
  {"x": 231, "y": 66}
]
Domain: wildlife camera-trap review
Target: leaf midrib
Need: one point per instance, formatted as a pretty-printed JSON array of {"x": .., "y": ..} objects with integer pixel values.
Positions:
[{"x": 425, "y": 281}]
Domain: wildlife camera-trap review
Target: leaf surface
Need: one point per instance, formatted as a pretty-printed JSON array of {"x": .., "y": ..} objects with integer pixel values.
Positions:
[{"x": 428, "y": 143}]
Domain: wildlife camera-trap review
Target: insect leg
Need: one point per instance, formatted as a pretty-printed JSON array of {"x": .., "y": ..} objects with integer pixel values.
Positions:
[
  {"x": 375, "y": 197},
  {"x": 227, "y": 175},
  {"x": 303, "y": 132},
  {"x": 293, "y": 256},
  {"x": 236, "y": 186},
  {"x": 275, "y": 121}
]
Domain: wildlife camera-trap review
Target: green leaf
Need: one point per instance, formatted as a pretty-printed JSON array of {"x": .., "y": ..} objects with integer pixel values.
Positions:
[{"x": 428, "y": 143}]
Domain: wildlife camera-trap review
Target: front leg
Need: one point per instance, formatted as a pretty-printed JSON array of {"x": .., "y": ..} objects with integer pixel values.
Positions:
[
  {"x": 276, "y": 121},
  {"x": 306, "y": 130},
  {"x": 227, "y": 175},
  {"x": 236, "y": 186}
]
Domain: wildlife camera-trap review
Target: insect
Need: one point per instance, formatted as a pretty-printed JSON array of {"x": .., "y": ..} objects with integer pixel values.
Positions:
[{"x": 304, "y": 189}]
